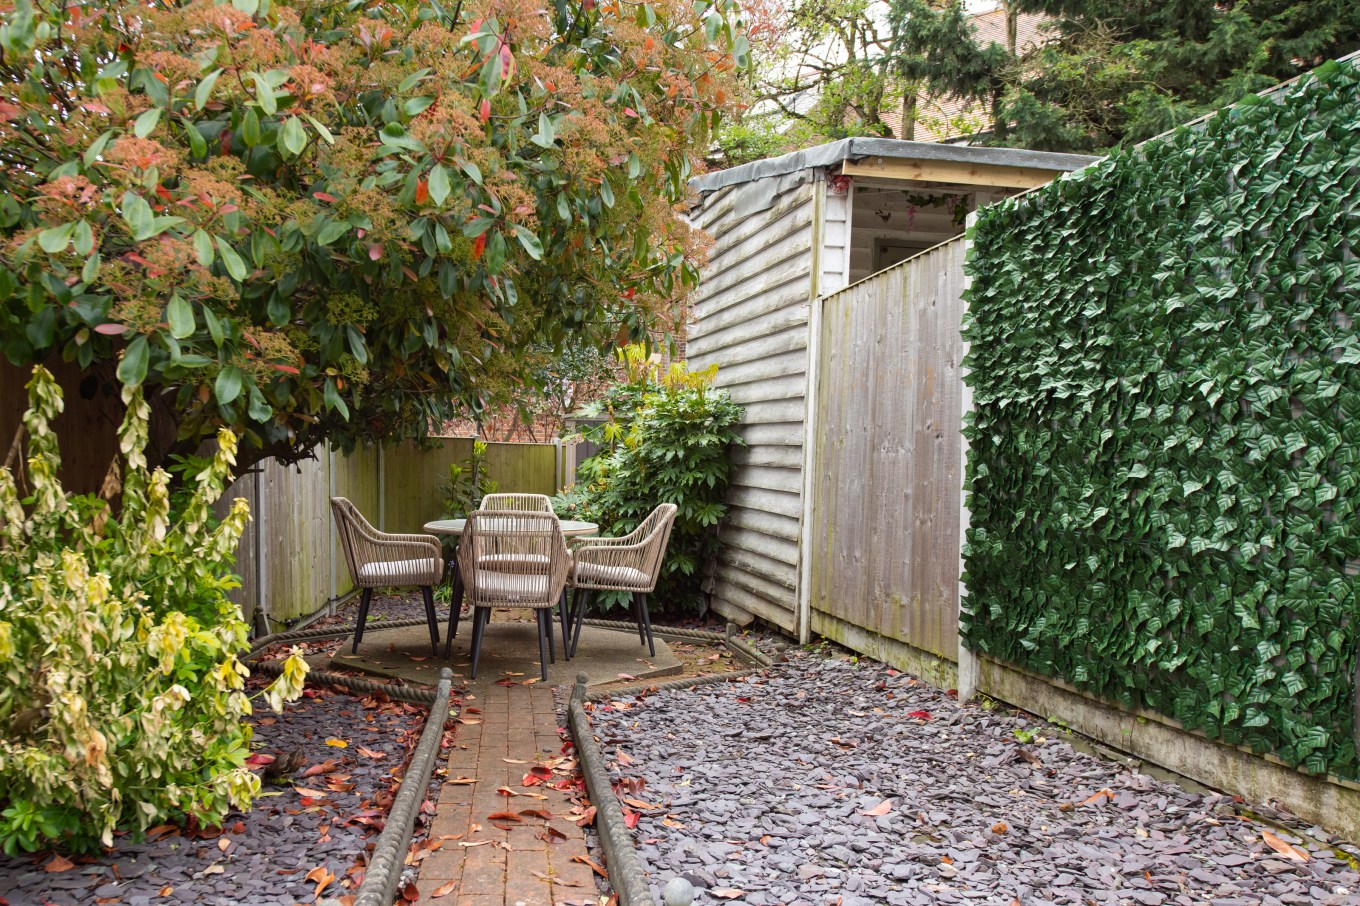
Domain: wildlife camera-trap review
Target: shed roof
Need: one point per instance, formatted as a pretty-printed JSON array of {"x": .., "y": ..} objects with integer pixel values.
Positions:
[{"x": 890, "y": 153}]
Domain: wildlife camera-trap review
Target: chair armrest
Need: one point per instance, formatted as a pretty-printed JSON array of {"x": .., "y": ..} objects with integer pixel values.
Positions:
[
  {"x": 612, "y": 550},
  {"x": 420, "y": 545}
]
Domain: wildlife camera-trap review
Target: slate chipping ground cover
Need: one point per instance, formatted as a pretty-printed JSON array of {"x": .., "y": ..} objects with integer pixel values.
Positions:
[
  {"x": 300, "y": 843},
  {"x": 831, "y": 782}
]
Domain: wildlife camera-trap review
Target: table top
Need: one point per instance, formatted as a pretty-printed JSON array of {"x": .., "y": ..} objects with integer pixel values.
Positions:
[{"x": 570, "y": 527}]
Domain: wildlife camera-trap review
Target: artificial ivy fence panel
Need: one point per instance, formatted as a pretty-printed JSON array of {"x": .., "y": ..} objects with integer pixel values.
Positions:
[{"x": 1165, "y": 447}]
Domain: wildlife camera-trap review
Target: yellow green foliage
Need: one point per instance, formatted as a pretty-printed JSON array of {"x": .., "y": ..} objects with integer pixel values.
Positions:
[{"x": 121, "y": 696}]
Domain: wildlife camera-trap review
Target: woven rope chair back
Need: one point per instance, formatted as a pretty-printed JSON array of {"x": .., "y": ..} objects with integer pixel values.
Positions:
[
  {"x": 532, "y": 503},
  {"x": 656, "y": 529},
  {"x": 531, "y": 541},
  {"x": 351, "y": 526}
]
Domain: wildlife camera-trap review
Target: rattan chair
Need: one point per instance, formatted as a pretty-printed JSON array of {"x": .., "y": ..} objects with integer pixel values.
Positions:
[
  {"x": 379, "y": 560},
  {"x": 531, "y": 503},
  {"x": 631, "y": 563},
  {"x": 511, "y": 558}
]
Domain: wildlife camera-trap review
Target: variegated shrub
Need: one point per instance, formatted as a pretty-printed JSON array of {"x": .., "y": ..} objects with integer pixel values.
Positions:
[{"x": 121, "y": 696}]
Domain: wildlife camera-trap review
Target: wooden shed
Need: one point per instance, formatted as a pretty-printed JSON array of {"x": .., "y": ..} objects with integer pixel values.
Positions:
[{"x": 787, "y": 231}]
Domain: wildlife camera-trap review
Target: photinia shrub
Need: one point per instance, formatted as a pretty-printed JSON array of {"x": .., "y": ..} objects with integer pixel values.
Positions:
[
  {"x": 667, "y": 441},
  {"x": 121, "y": 696},
  {"x": 312, "y": 221}
]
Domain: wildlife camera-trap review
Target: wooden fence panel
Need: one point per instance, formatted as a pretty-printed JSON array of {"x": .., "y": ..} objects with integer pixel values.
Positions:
[{"x": 885, "y": 524}]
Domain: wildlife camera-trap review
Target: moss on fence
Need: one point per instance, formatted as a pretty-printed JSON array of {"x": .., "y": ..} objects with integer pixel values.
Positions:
[{"x": 1165, "y": 447}]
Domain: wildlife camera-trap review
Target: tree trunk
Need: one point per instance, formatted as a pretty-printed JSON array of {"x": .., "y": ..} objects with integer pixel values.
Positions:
[{"x": 909, "y": 115}]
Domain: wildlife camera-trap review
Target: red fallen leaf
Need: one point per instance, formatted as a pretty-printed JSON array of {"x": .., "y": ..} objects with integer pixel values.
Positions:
[
  {"x": 919, "y": 715},
  {"x": 410, "y": 893},
  {"x": 537, "y": 774},
  {"x": 727, "y": 893},
  {"x": 444, "y": 889},
  {"x": 59, "y": 863},
  {"x": 879, "y": 810},
  {"x": 587, "y": 817},
  {"x": 630, "y": 818},
  {"x": 537, "y": 813},
  {"x": 1283, "y": 848},
  {"x": 324, "y": 196},
  {"x": 326, "y": 767},
  {"x": 370, "y": 753},
  {"x": 999, "y": 828},
  {"x": 504, "y": 816},
  {"x": 638, "y": 803}
]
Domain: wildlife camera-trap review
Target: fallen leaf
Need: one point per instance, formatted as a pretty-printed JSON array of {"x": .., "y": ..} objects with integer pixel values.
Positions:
[
  {"x": 999, "y": 827},
  {"x": 59, "y": 863},
  {"x": 370, "y": 753},
  {"x": 444, "y": 889},
  {"x": 727, "y": 893},
  {"x": 1096, "y": 797},
  {"x": 514, "y": 761},
  {"x": 537, "y": 813},
  {"x": 879, "y": 810},
  {"x": 506, "y": 791},
  {"x": 638, "y": 803},
  {"x": 410, "y": 893},
  {"x": 551, "y": 834},
  {"x": 223, "y": 843},
  {"x": 475, "y": 843},
  {"x": 586, "y": 860},
  {"x": 314, "y": 794},
  {"x": 630, "y": 818},
  {"x": 165, "y": 891},
  {"x": 504, "y": 816},
  {"x": 324, "y": 767},
  {"x": 214, "y": 869},
  {"x": 587, "y": 817},
  {"x": 337, "y": 743},
  {"x": 1283, "y": 848},
  {"x": 919, "y": 715}
]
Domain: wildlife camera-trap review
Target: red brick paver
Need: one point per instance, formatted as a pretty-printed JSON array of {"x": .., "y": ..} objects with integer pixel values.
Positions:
[{"x": 488, "y": 866}]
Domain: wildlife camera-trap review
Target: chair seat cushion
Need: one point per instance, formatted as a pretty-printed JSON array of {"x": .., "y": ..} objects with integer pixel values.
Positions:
[
  {"x": 587, "y": 575},
  {"x": 524, "y": 589},
  {"x": 426, "y": 571}
]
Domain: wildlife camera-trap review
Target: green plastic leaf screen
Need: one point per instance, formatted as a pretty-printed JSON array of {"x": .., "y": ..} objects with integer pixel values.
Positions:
[{"x": 1165, "y": 447}]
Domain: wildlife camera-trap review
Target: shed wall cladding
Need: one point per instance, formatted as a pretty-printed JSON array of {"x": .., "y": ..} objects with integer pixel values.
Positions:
[{"x": 750, "y": 318}]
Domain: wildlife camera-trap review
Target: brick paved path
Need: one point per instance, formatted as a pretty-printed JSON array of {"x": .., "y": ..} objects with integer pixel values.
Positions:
[{"x": 516, "y": 867}]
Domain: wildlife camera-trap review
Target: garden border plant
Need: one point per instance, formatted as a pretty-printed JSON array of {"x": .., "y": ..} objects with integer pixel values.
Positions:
[
  {"x": 667, "y": 441},
  {"x": 122, "y": 700},
  {"x": 1166, "y": 426}
]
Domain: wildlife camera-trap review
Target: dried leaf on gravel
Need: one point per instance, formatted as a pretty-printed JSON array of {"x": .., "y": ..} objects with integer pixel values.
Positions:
[
  {"x": 727, "y": 893},
  {"x": 879, "y": 810},
  {"x": 369, "y": 753},
  {"x": 325, "y": 767},
  {"x": 321, "y": 876},
  {"x": 337, "y": 743},
  {"x": 59, "y": 863},
  {"x": 314, "y": 794},
  {"x": 1283, "y": 848},
  {"x": 1096, "y": 797}
]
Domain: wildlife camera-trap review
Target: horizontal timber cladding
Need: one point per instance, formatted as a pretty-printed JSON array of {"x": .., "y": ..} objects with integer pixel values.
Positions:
[
  {"x": 750, "y": 319},
  {"x": 885, "y": 512}
]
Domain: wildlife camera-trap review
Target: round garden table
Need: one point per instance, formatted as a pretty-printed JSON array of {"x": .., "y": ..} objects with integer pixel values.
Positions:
[{"x": 571, "y": 528}]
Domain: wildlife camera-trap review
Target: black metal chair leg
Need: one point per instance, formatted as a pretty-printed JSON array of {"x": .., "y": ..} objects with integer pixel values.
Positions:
[
  {"x": 637, "y": 615},
  {"x": 580, "y": 610},
  {"x": 428, "y": 593},
  {"x": 479, "y": 618},
  {"x": 542, "y": 645},
  {"x": 364, "y": 597},
  {"x": 647, "y": 621},
  {"x": 546, "y": 619},
  {"x": 565, "y": 616},
  {"x": 455, "y": 606}
]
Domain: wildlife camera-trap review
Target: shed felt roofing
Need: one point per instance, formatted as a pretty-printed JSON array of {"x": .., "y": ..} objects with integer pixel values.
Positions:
[{"x": 856, "y": 149}]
